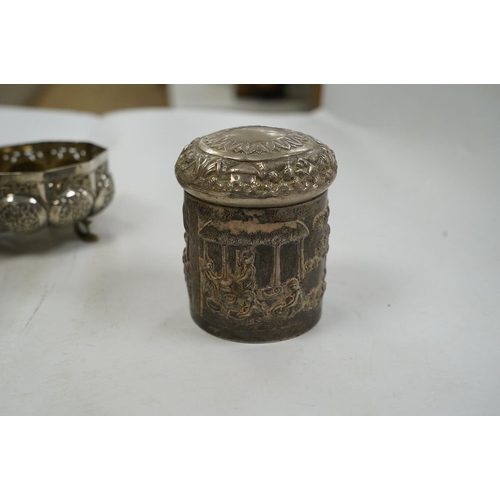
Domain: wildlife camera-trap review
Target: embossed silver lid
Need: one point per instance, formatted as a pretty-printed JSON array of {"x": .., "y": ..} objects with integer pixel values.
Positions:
[{"x": 256, "y": 166}]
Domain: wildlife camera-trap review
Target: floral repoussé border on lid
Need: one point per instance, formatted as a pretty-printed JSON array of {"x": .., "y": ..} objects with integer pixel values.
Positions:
[{"x": 273, "y": 167}]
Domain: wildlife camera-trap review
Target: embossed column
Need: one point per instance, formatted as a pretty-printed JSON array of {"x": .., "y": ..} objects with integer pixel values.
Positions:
[{"x": 256, "y": 219}]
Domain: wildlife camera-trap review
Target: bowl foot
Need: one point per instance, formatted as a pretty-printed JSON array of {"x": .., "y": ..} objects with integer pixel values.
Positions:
[{"x": 82, "y": 229}]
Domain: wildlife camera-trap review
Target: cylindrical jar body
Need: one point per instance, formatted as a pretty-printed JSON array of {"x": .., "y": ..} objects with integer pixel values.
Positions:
[{"x": 256, "y": 274}]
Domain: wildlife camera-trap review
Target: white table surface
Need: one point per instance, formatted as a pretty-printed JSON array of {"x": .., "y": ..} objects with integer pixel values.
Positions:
[{"x": 411, "y": 321}]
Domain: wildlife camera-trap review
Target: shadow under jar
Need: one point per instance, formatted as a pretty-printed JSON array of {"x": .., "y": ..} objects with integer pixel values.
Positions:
[
  {"x": 55, "y": 184},
  {"x": 256, "y": 221}
]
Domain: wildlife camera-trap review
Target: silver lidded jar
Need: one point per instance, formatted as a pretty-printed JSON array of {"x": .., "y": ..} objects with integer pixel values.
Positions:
[{"x": 256, "y": 231}]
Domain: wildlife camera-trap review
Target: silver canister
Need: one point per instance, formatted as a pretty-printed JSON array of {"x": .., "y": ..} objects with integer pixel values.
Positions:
[{"x": 256, "y": 231}]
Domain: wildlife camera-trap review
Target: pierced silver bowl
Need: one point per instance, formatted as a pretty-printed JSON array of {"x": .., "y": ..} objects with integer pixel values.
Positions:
[{"x": 53, "y": 184}]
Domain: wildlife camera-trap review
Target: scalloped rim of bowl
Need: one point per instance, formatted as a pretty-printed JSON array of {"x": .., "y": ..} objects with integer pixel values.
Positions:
[{"x": 58, "y": 172}]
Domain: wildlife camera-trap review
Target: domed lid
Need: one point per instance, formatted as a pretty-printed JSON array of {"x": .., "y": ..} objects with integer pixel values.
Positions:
[{"x": 256, "y": 167}]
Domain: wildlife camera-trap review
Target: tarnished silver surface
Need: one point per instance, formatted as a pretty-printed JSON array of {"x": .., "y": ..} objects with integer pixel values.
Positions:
[
  {"x": 52, "y": 183},
  {"x": 256, "y": 167},
  {"x": 256, "y": 221}
]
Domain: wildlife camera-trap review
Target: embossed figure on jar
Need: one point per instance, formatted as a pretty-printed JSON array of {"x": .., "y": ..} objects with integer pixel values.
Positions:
[
  {"x": 256, "y": 213},
  {"x": 292, "y": 303},
  {"x": 246, "y": 278}
]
